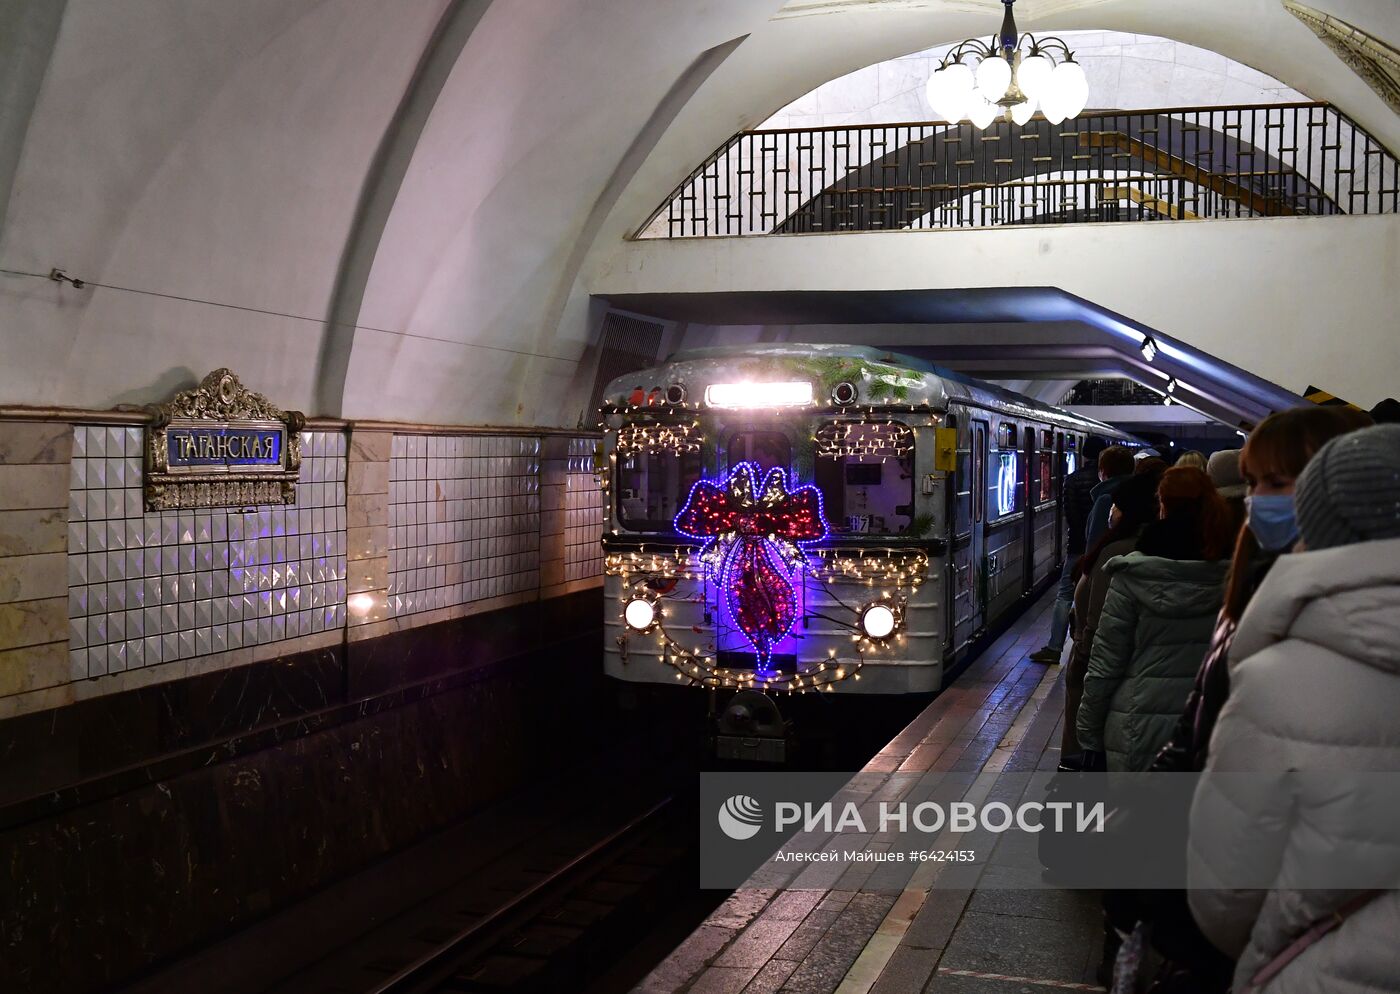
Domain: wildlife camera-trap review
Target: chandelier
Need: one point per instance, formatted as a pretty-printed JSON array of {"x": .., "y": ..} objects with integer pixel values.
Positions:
[{"x": 1013, "y": 75}]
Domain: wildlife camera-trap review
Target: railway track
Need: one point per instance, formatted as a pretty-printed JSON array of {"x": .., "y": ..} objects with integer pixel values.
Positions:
[
  {"x": 548, "y": 931},
  {"x": 556, "y": 919}
]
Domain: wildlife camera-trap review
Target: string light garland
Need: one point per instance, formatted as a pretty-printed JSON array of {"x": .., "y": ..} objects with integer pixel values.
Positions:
[
  {"x": 698, "y": 667},
  {"x": 864, "y": 438},
  {"x": 899, "y": 567},
  {"x": 666, "y": 439}
]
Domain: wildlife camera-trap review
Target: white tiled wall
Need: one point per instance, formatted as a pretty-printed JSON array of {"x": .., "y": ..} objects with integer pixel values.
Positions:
[
  {"x": 154, "y": 588},
  {"x": 464, "y": 519},
  {"x": 147, "y": 589},
  {"x": 583, "y": 514}
]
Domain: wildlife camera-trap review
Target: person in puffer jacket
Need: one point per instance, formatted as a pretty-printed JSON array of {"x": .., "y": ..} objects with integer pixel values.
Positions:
[
  {"x": 1155, "y": 624},
  {"x": 1314, "y": 687}
]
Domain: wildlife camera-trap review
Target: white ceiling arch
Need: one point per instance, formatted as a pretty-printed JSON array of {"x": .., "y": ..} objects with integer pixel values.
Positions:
[{"x": 209, "y": 163}]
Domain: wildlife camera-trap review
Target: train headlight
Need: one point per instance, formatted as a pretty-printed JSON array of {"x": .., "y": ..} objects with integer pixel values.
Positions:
[
  {"x": 640, "y": 614},
  {"x": 878, "y": 621}
]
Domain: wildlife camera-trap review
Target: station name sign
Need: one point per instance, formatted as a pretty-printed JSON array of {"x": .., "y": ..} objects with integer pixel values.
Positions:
[
  {"x": 222, "y": 445},
  {"x": 189, "y": 447}
]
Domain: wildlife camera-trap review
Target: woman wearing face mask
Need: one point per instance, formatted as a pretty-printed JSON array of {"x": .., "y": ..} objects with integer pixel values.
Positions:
[
  {"x": 1272, "y": 459},
  {"x": 1315, "y": 690}
]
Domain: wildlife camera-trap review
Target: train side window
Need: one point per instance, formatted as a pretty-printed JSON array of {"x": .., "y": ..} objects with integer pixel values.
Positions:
[
  {"x": 867, "y": 487},
  {"x": 965, "y": 493},
  {"x": 1008, "y": 482},
  {"x": 769, "y": 449},
  {"x": 652, "y": 487}
]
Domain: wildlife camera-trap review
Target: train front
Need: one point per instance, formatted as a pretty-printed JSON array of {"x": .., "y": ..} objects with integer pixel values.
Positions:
[{"x": 776, "y": 523}]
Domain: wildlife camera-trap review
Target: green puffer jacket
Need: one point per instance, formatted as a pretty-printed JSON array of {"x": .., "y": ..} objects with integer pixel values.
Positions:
[{"x": 1154, "y": 630}]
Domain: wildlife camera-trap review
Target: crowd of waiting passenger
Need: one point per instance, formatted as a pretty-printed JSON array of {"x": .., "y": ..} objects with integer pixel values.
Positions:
[{"x": 1242, "y": 615}]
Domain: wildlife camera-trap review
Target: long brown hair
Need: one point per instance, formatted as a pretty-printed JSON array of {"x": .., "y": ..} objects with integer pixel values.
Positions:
[
  {"x": 1188, "y": 497},
  {"x": 1282, "y": 444}
]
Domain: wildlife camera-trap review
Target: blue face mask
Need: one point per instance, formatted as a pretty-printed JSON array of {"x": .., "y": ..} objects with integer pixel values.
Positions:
[{"x": 1272, "y": 520}]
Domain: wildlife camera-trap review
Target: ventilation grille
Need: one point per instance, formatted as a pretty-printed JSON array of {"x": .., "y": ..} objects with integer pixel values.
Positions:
[{"x": 629, "y": 344}]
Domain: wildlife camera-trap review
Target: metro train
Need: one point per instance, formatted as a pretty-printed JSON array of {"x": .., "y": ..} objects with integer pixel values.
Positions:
[{"x": 791, "y": 519}]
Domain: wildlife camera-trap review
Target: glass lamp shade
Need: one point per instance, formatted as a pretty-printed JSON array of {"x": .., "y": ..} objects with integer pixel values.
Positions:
[
  {"x": 946, "y": 94},
  {"x": 959, "y": 78},
  {"x": 1051, "y": 103},
  {"x": 1071, "y": 87},
  {"x": 1032, "y": 75},
  {"x": 982, "y": 111},
  {"x": 993, "y": 76},
  {"x": 1021, "y": 113}
]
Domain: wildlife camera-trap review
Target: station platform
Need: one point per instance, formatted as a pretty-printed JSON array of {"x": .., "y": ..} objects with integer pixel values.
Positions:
[{"x": 805, "y": 934}]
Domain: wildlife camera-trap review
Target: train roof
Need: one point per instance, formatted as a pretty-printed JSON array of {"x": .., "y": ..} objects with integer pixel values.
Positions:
[{"x": 884, "y": 379}]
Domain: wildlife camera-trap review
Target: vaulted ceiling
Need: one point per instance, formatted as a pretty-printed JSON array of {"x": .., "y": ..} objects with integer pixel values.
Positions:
[{"x": 390, "y": 210}]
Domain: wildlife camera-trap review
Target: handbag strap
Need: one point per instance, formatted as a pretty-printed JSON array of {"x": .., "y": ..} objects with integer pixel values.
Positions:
[{"x": 1294, "y": 949}]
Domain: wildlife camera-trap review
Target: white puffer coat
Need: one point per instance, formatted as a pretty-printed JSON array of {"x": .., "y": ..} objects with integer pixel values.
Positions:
[{"x": 1314, "y": 687}]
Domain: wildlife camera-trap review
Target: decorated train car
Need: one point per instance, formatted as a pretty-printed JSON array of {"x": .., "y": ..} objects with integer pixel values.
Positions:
[{"x": 836, "y": 519}]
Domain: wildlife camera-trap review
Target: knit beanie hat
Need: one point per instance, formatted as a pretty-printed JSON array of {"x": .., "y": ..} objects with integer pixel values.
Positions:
[
  {"x": 1223, "y": 468},
  {"x": 1350, "y": 491}
]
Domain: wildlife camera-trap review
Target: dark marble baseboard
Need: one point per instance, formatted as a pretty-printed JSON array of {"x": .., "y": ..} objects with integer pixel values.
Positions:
[
  {"x": 51, "y": 760},
  {"x": 186, "y": 810}
]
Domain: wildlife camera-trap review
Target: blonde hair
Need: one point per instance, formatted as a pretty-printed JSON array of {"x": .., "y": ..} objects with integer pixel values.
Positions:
[{"x": 1191, "y": 457}]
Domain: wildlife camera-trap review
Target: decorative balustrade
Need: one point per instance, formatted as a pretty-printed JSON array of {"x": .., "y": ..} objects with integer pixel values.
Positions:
[{"x": 1175, "y": 163}]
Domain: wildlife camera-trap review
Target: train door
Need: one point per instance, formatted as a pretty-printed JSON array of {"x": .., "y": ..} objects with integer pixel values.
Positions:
[
  {"x": 1059, "y": 496},
  {"x": 1031, "y": 496},
  {"x": 978, "y": 558}
]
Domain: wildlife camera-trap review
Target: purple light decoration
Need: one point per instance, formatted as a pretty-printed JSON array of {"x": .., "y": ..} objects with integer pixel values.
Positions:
[{"x": 752, "y": 533}]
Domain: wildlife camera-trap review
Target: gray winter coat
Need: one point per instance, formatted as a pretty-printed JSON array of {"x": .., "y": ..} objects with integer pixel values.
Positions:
[
  {"x": 1152, "y": 633},
  {"x": 1314, "y": 687}
]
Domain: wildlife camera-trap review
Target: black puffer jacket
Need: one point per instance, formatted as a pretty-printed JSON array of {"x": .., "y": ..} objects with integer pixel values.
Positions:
[{"x": 1078, "y": 501}]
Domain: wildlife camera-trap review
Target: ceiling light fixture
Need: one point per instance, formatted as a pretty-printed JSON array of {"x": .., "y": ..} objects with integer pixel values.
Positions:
[
  {"x": 1171, "y": 384},
  {"x": 1013, "y": 74},
  {"x": 1149, "y": 348}
]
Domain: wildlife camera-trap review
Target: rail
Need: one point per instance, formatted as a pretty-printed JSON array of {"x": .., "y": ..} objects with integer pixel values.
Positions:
[
  {"x": 1180, "y": 163},
  {"x": 435, "y": 967}
]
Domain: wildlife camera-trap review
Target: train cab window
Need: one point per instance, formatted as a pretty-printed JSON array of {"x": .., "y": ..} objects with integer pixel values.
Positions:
[
  {"x": 866, "y": 475},
  {"x": 652, "y": 487},
  {"x": 769, "y": 449}
]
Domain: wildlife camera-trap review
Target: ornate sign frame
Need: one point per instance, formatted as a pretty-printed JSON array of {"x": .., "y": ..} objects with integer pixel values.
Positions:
[{"x": 221, "y": 401}]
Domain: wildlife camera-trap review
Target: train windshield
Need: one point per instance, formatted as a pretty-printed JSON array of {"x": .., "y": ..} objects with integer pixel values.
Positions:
[
  {"x": 865, "y": 472},
  {"x": 769, "y": 449},
  {"x": 652, "y": 486}
]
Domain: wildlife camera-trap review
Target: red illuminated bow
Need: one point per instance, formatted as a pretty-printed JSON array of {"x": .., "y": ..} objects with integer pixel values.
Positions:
[{"x": 743, "y": 507}]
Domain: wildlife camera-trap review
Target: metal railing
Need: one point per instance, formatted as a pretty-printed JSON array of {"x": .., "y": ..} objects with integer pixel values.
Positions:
[{"x": 1177, "y": 163}]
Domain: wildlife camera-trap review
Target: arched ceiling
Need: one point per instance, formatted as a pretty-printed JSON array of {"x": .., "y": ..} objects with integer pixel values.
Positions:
[{"x": 392, "y": 210}]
